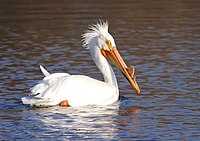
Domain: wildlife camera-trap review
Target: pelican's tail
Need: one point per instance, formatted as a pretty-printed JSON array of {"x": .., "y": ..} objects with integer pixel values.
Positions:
[{"x": 38, "y": 102}]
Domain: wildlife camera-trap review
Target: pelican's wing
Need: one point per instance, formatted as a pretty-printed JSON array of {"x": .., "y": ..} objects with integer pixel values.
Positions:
[
  {"x": 47, "y": 82},
  {"x": 45, "y": 93}
]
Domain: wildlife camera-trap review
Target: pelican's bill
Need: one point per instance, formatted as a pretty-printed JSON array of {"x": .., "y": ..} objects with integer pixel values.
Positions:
[{"x": 114, "y": 56}]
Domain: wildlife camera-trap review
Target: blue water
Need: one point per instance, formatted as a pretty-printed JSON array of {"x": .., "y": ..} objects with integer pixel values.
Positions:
[{"x": 161, "y": 39}]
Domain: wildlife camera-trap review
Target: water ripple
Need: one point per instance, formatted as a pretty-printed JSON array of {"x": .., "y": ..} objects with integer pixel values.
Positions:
[{"x": 161, "y": 39}]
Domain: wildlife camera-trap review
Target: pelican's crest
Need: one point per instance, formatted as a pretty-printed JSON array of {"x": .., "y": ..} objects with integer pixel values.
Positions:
[{"x": 94, "y": 30}]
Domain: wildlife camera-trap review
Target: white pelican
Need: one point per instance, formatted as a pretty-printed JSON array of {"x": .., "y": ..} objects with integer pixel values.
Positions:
[{"x": 80, "y": 90}]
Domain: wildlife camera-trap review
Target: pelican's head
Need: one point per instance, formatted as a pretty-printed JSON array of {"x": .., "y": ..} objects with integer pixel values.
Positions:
[
  {"x": 98, "y": 31},
  {"x": 106, "y": 44}
]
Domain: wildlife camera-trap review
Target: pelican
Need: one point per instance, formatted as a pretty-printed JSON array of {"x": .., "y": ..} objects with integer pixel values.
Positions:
[{"x": 80, "y": 90}]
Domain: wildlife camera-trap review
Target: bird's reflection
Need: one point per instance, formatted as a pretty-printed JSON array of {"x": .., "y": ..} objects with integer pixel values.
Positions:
[{"x": 91, "y": 120}]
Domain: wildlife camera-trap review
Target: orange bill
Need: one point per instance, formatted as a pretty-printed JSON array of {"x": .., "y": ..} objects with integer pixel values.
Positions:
[{"x": 114, "y": 56}]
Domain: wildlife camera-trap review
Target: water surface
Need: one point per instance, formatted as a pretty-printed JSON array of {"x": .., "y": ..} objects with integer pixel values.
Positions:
[{"x": 161, "y": 39}]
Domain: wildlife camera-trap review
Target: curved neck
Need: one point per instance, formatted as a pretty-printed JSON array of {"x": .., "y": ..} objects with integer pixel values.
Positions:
[{"x": 103, "y": 65}]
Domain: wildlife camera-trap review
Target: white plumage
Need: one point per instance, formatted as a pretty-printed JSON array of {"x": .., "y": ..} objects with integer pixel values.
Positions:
[{"x": 80, "y": 90}]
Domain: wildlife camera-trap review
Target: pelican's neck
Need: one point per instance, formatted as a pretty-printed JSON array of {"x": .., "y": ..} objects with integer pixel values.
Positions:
[{"x": 103, "y": 65}]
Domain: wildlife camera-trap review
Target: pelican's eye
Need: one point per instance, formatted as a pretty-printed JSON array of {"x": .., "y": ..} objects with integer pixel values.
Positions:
[{"x": 108, "y": 43}]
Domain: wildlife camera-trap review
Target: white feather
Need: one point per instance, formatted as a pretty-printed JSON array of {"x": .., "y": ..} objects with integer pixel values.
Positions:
[{"x": 79, "y": 90}]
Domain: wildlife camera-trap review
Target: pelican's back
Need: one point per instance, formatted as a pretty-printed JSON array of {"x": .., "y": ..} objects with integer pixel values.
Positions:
[{"x": 78, "y": 90}]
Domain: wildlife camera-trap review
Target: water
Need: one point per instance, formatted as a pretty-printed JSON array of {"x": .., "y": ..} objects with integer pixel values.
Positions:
[{"x": 161, "y": 39}]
